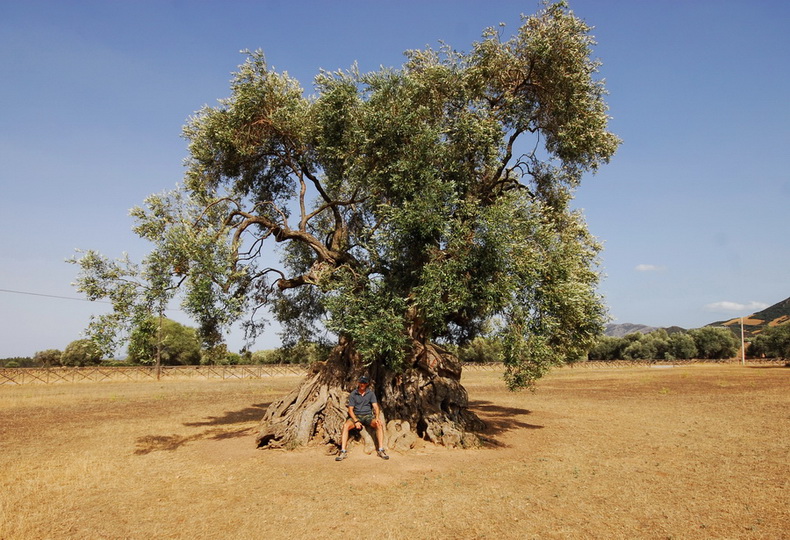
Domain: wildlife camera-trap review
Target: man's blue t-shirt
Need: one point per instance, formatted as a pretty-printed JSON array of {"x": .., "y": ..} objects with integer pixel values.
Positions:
[{"x": 363, "y": 404}]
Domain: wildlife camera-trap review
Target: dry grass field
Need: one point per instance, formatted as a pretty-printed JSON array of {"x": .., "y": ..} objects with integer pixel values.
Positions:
[{"x": 686, "y": 452}]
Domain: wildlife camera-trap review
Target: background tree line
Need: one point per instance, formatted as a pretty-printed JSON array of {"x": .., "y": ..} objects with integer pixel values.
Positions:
[
  {"x": 174, "y": 343},
  {"x": 708, "y": 343},
  {"x": 180, "y": 345}
]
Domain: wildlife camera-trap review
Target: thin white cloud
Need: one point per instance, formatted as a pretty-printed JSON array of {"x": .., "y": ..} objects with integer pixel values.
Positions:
[
  {"x": 648, "y": 268},
  {"x": 736, "y": 307}
]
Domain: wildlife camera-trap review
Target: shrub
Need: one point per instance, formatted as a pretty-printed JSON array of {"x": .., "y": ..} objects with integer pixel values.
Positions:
[
  {"x": 116, "y": 363},
  {"x": 681, "y": 346},
  {"x": 481, "y": 349},
  {"x": 17, "y": 361},
  {"x": 657, "y": 345},
  {"x": 49, "y": 357},
  {"x": 82, "y": 352},
  {"x": 303, "y": 352},
  {"x": 217, "y": 355},
  {"x": 715, "y": 343},
  {"x": 177, "y": 344},
  {"x": 773, "y": 342},
  {"x": 268, "y": 356},
  {"x": 641, "y": 349},
  {"x": 607, "y": 348}
]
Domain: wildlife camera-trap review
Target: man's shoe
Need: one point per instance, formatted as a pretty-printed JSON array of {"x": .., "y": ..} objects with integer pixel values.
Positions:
[
  {"x": 341, "y": 456},
  {"x": 382, "y": 454}
]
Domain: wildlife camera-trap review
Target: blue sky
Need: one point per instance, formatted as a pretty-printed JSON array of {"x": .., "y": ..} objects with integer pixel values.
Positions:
[{"x": 692, "y": 210}]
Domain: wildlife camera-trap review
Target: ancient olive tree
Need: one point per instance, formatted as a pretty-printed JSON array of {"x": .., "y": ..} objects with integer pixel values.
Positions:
[{"x": 412, "y": 207}]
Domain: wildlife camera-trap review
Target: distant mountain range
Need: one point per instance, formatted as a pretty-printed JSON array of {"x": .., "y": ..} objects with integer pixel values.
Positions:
[
  {"x": 774, "y": 315},
  {"x": 620, "y": 330},
  {"x": 778, "y": 313}
]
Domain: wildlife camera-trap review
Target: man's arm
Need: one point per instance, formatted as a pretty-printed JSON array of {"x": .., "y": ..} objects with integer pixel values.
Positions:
[
  {"x": 352, "y": 415},
  {"x": 376, "y": 409}
]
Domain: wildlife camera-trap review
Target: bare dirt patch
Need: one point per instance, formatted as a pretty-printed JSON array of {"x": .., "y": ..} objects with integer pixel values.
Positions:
[{"x": 689, "y": 452}]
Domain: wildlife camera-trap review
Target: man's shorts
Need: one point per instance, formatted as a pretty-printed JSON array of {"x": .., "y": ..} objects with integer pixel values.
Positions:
[{"x": 366, "y": 419}]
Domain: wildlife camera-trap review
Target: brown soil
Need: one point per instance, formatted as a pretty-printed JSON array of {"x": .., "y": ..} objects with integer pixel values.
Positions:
[{"x": 684, "y": 452}]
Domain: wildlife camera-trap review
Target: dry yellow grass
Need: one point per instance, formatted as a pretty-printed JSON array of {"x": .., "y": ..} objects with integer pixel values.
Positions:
[{"x": 692, "y": 452}]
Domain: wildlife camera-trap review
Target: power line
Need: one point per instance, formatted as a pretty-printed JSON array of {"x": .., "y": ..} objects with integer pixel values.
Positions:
[
  {"x": 53, "y": 296},
  {"x": 28, "y": 293}
]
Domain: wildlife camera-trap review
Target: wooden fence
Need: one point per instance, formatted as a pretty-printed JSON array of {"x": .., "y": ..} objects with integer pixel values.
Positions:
[
  {"x": 601, "y": 364},
  {"x": 11, "y": 376},
  {"x": 604, "y": 364},
  {"x": 14, "y": 376}
]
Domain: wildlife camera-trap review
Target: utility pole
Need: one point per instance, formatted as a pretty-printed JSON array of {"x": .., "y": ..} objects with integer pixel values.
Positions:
[
  {"x": 743, "y": 346},
  {"x": 159, "y": 346}
]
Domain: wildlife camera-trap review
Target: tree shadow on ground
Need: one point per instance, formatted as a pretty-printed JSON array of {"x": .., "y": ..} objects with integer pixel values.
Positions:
[
  {"x": 500, "y": 419},
  {"x": 170, "y": 443},
  {"x": 777, "y": 365},
  {"x": 252, "y": 413}
]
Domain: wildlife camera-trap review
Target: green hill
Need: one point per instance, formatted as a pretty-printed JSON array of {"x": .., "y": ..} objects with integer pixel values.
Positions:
[{"x": 774, "y": 315}]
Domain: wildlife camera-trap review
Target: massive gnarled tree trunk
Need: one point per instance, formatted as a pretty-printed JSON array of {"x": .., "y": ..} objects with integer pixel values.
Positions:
[{"x": 427, "y": 394}]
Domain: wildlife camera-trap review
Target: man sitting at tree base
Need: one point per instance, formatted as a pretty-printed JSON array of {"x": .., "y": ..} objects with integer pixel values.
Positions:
[{"x": 363, "y": 410}]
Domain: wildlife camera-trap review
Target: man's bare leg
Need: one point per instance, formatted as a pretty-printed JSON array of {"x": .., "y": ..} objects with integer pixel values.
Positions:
[
  {"x": 344, "y": 440},
  {"x": 380, "y": 436}
]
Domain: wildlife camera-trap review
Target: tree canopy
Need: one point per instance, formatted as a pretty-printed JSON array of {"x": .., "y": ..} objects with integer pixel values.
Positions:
[
  {"x": 421, "y": 203},
  {"x": 171, "y": 342}
]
